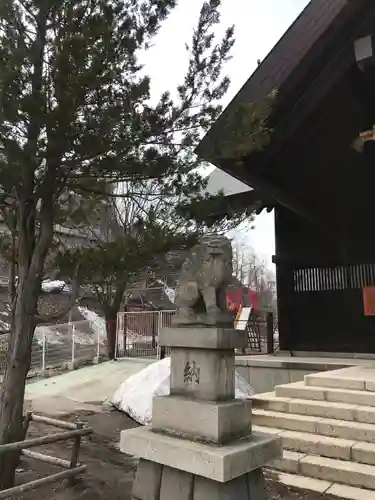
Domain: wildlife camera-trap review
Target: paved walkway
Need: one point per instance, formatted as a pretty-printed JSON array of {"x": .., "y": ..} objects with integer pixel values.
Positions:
[
  {"x": 280, "y": 360},
  {"x": 88, "y": 388},
  {"x": 84, "y": 389}
]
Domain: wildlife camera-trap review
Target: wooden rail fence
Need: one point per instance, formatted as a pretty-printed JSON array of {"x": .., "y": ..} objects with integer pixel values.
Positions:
[{"x": 72, "y": 467}]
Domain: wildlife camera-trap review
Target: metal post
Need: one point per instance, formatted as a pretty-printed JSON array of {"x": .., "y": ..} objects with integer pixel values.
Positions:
[
  {"x": 155, "y": 315},
  {"x": 125, "y": 329},
  {"x": 43, "y": 352},
  {"x": 98, "y": 345},
  {"x": 161, "y": 349},
  {"x": 270, "y": 340},
  {"x": 116, "y": 341},
  {"x": 73, "y": 344}
]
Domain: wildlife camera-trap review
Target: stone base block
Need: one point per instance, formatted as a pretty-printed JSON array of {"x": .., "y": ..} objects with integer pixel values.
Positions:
[
  {"x": 203, "y": 338},
  {"x": 219, "y": 463},
  {"x": 203, "y": 374},
  {"x": 156, "y": 482},
  {"x": 204, "y": 421}
]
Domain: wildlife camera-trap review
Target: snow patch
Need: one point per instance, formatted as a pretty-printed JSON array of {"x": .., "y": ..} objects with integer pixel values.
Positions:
[
  {"x": 54, "y": 286},
  {"x": 96, "y": 323},
  {"x": 169, "y": 292},
  {"x": 52, "y": 335},
  {"x": 135, "y": 395}
]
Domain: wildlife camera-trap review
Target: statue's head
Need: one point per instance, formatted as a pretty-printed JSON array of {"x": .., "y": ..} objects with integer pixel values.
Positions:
[
  {"x": 213, "y": 258},
  {"x": 216, "y": 246}
]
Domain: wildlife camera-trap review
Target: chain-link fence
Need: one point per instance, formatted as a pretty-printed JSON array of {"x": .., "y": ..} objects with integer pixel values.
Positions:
[{"x": 63, "y": 345}]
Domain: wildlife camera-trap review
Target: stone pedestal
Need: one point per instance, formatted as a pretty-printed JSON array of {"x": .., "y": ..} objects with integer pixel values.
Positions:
[{"x": 200, "y": 445}]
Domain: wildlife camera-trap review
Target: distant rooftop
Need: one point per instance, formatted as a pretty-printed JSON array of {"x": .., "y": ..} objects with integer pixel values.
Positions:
[{"x": 219, "y": 180}]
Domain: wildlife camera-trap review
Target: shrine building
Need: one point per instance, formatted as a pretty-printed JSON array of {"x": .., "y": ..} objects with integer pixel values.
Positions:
[{"x": 316, "y": 173}]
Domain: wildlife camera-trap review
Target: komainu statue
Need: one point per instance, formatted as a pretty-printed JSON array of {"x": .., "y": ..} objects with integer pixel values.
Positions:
[{"x": 205, "y": 276}]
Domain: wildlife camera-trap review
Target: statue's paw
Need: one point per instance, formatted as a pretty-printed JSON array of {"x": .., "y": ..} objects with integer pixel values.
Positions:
[
  {"x": 218, "y": 318},
  {"x": 184, "y": 318},
  {"x": 210, "y": 320}
]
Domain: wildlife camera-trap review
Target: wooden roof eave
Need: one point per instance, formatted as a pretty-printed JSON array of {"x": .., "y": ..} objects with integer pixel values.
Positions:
[
  {"x": 280, "y": 67},
  {"x": 248, "y": 201}
]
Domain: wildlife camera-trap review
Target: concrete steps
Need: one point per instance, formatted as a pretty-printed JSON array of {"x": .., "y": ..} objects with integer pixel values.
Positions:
[
  {"x": 301, "y": 391},
  {"x": 327, "y": 469},
  {"x": 325, "y": 446},
  {"x": 325, "y": 487},
  {"x": 327, "y": 426},
  {"x": 361, "y": 379},
  {"x": 322, "y": 409},
  {"x": 353, "y": 431}
]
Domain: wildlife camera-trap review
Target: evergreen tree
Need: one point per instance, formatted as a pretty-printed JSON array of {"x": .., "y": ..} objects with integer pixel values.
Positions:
[{"x": 76, "y": 124}]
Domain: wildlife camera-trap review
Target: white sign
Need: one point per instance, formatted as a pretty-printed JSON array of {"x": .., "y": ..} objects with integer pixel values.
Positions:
[{"x": 242, "y": 318}]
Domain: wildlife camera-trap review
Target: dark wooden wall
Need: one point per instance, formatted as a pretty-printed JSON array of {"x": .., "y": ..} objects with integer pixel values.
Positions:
[
  {"x": 320, "y": 291},
  {"x": 323, "y": 266}
]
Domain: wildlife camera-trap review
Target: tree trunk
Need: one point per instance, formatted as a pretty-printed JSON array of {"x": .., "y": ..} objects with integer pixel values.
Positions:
[
  {"x": 111, "y": 311},
  {"x": 111, "y": 324},
  {"x": 13, "y": 387}
]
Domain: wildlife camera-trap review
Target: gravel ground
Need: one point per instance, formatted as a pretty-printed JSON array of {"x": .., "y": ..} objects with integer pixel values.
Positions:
[{"x": 110, "y": 473}]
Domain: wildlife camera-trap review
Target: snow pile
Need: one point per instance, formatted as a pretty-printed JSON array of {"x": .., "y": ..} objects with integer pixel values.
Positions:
[
  {"x": 54, "y": 286},
  {"x": 52, "y": 335},
  {"x": 60, "y": 334},
  {"x": 133, "y": 338},
  {"x": 135, "y": 395},
  {"x": 169, "y": 292},
  {"x": 96, "y": 323},
  {"x": 4, "y": 326}
]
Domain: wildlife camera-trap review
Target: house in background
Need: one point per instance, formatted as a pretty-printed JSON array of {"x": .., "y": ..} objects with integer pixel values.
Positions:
[{"x": 220, "y": 180}]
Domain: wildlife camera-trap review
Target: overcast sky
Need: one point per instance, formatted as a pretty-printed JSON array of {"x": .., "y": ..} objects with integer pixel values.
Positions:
[{"x": 259, "y": 25}]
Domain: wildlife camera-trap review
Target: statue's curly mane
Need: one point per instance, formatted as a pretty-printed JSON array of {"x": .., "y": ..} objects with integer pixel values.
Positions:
[
  {"x": 202, "y": 250},
  {"x": 208, "y": 242}
]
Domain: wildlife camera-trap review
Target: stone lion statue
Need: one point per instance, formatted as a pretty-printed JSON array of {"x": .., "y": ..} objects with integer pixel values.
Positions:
[{"x": 205, "y": 276}]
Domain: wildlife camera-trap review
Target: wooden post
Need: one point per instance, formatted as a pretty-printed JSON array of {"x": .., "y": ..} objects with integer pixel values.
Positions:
[
  {"x": 60, "y": 462},
  {"x": 22, "y": 488},
  {"x": 270, "y": 340},
  {"x": 40, "y": 441},
  {"x": 25, "y": 427},
  {"x": 75, "y": 452},
  {"x": 54, "y": 422},
  {"x": 26, "y": 422}
]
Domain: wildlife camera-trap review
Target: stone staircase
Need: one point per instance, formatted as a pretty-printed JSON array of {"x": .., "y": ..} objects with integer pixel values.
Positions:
[{"x": 327, "y": 426}]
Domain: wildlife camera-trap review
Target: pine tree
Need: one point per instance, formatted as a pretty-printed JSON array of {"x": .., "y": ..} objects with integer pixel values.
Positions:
[{"x": 75, "y": 124}]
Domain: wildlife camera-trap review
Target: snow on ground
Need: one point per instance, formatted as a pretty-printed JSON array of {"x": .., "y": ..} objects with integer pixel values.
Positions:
[
  {"x": 54, "y": 286},
  {"x": 169, "y": 292},
  {"x": 96, "y": 323},
  {"x": 91, "y": 328},
  {"x": 86, "y": 332},
  {"x": 135, "y": 395}
]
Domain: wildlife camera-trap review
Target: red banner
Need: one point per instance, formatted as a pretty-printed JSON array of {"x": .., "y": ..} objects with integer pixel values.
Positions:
[
  {"x": 238, "y": 297},
  {"x": 369, "y": 300}
]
